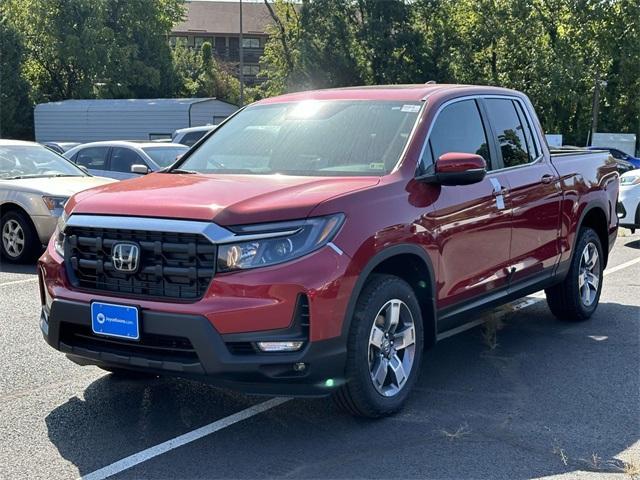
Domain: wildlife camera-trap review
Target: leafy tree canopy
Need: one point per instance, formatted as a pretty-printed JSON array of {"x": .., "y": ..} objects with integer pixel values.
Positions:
[{"x": 553, "y": 50}]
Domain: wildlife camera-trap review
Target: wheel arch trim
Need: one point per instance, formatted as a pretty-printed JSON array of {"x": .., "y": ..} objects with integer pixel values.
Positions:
[{"x": 377, "y": 260}]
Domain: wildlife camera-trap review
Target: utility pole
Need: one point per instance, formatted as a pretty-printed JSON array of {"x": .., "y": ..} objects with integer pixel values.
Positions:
[
  {"x": 595, "y": 108},
  {"x": 241, "y": 51}
]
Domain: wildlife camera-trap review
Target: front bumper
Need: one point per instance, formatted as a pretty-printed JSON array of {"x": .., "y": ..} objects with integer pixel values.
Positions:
[
  {"x": 45, "y": 226},
  {"x": 238, "y": 310},
  {"x": 189, "y": 346},
  {"x": 628, "y": 207}
]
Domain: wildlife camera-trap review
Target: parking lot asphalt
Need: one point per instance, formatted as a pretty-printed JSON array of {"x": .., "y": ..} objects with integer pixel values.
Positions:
[{"x": 542, "y": 399}]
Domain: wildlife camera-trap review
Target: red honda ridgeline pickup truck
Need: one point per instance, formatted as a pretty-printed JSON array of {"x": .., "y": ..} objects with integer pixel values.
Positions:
[{"x": 317, "y": 242}]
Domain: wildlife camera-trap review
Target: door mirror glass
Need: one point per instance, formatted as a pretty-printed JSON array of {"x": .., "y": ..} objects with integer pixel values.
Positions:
[
  {"x": 458, "y": 168},
  {"x": 139, "y": 169}
]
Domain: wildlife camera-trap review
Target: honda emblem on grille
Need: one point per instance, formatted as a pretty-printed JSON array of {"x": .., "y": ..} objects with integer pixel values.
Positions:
[{"x": 125, "y": 257}]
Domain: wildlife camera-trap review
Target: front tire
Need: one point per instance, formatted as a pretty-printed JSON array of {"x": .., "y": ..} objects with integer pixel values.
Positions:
[
  {"x": 385, "y": 347},
  {"x": 19, "y": 242},
  {"x": 577, "y": 297}
]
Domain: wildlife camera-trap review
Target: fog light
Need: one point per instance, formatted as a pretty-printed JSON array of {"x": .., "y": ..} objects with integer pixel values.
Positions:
[
  {"x": 299, "y": 367},
  {"x": 280, "y": 346}
]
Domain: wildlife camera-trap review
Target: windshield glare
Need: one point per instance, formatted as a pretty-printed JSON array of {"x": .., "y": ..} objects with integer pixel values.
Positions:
[
  {"x": 165, "y": 156},
  {"x": 27, "y": 161},
  {"x": 325, "y": 137}
]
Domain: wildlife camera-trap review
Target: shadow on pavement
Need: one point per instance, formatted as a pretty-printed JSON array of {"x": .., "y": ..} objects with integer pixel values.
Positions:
[
  {"x": 117, "y": 417},
  {"x": 551, "y": 398},
  {"x": 8, "y": 267}
]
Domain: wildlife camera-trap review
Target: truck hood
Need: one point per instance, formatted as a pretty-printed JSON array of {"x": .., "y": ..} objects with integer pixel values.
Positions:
[
  {"x": 225, "y": 199},
  {"x": 54, "y": 186}
]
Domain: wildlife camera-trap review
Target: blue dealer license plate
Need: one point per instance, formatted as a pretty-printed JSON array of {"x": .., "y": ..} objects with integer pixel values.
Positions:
[{"x": 115, "y": 320}]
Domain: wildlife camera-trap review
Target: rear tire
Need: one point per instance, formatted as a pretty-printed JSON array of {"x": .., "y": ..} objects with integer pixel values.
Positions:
[
  {"x": 577, "y": 297},
  {"x": 384, "y": 349},
  {"x": 19, "y": 242}
]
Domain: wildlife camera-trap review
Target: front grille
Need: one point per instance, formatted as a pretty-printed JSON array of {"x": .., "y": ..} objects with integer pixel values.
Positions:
[
  {"x": 151, "y": 347},
  {"x": 172, "y": 265}
]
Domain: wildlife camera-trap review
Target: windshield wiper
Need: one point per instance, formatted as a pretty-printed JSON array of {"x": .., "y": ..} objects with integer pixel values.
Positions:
[{"x": 180, "y": 170}]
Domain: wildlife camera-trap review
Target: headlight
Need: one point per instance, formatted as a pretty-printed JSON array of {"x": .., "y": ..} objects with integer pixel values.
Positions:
[
  {"x": 58, "y": 235},
  {"x": 277, "y": 242},
  {"x": 55, "y": 203},
  {"x": 630, "y": 180}
]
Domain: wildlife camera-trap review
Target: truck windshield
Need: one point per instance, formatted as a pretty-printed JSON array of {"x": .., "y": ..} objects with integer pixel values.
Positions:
[
  {"x": 312, "y": 137},
  {"x": 27, "y": 161}
]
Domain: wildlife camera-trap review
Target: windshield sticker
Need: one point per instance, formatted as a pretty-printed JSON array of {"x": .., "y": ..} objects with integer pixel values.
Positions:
[{"x": 410, "y": 108}]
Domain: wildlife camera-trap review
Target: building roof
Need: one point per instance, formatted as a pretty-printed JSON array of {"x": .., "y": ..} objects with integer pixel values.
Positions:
[
  {"x": 224, "y": 18},
  {"x": 124, "y": 104}
]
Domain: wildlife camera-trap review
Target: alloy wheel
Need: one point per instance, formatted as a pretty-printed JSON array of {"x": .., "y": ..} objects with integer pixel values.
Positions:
[
  {"x": 13, "y": 238},
  {"x": 392, "y": 347},
  {"x": 589, "y": 274}
]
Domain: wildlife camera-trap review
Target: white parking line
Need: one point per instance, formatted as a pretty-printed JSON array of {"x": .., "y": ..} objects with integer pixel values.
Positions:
[
  {"x": 149, "y": 453},
  {"x": 539, "y": 296},
  {"x": 622, "y": 266},
  {"x": 176, "y": 442},
  {"x": 16, "y": 282}
]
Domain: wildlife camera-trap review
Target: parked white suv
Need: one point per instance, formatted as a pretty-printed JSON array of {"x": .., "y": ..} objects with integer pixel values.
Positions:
[{"x": 629, "y": 200}]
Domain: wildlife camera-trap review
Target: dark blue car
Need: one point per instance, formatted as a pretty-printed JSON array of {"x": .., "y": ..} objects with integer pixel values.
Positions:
[{"x": 620, "y": 155}]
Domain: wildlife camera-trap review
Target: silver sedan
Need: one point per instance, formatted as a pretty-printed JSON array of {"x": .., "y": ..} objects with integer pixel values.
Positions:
[{"x": 35, "y": 183}]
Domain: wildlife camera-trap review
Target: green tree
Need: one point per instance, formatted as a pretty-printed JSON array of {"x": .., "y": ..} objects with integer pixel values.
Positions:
[
  {"x": 553, "y": 50},
  {"x": 15, "y": 112},
  {"x": 620, "y": 108},
  {"x": 139, "y": 57},
  {"x": 96, "y": 48},
  {"x": 202, "y": 76}
]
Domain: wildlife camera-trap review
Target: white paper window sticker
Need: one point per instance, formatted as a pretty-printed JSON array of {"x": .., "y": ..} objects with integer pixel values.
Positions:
[{"x": 410, "y": 108}]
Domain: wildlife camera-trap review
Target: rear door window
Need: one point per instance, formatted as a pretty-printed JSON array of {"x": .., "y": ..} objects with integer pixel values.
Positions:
[
  {"x": 532, "y": 145},
  {"x": 458, "y": 128},
  {"x": 511, "y": 136},
  {"x": 123, "y": 158},
  {"x": 93, "y": 157}
]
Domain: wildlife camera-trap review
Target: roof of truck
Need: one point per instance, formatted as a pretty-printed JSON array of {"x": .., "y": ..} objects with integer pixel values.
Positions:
[{"x": 411, "y": 93}]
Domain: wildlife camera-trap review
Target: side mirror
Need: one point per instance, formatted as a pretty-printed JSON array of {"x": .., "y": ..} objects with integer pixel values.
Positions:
[
  {"x": 139, "y": 169},
  {"x": 457, "y": 168}
]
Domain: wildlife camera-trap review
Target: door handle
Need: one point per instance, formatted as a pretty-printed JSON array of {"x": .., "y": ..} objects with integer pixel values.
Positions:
[
  {"x": 501, "y": 191},
  {"x": 547, "y": 178}
]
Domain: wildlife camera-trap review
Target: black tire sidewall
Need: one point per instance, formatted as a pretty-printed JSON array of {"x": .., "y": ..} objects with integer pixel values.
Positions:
[
  {"x": 381, "y": 289},
  {"x": 31, "y": 240}
]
